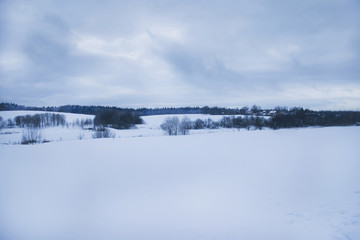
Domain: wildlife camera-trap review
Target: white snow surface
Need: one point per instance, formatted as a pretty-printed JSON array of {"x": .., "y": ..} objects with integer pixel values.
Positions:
[{"x": 287, "y": 184}]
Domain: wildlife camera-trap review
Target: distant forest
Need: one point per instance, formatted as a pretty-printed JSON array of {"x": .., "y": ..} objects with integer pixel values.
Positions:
[{"x": 279, "y": 117}]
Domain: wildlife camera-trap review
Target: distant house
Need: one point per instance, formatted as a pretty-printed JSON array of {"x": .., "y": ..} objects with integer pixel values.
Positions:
[{"x": 272, "y": 113}]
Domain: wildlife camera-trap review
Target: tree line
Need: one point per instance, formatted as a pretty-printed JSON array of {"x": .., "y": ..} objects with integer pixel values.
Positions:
[
  {"x": 40, "y": 120},
  {"x": 175, "y": 126},
  {"x": 289, "y": 119},
  {"x": 306, "y": 118},
  {"x": 279, "y": 117},
  {"x": 93, "y": 110}
]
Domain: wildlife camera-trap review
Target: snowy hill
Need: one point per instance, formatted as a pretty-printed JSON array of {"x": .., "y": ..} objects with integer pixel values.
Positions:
[
  {"x": 70, "y": 117},
  {"x": 70, "y": 131},
  {"x": 287, "y": 184}
]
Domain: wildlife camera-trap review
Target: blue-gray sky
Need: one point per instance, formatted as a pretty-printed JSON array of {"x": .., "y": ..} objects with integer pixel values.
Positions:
[{"x": 181, "y": 53}]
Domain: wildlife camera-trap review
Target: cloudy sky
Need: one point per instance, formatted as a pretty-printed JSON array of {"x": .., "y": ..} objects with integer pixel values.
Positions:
[{"x": 181, "y": 53}]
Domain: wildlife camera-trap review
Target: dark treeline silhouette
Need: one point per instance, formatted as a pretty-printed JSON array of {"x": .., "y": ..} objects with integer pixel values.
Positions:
[
  {"x": 118, "y": 119},
  {"x": 40, "y": 120},
  {"x": 298, "y": 117},
  {"x": 140, "y": 111},
  {"x": 162, "y": 111},
  {"x": 247, "y": 122},
  {"x": 66, "y": 108},
  {"x": 279, "y": 117},
  {"x": 192, "y": 110}
]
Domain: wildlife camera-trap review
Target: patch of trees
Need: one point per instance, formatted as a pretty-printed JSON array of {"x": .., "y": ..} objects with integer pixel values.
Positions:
[
  {"x": 173, "y": 126},
  {"x": 102, "y": 132},
  {"x": 40, "y": 120},
  {"x": 2, "y": 123},
  {"x": 298, "y": 117},
  {"x": 117, "y": 119},
  {"x": 31, "y": 135},
  {"x": 247, "y": 122}
]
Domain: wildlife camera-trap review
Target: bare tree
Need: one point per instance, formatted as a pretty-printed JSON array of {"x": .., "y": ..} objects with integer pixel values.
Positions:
[
  {"x": 102, "y": 132},
  {"x": 31, "y": 135},
  {"x": 199, "y": 124},
  {"x": 171, "y": 125},
  {"x": 2, "y": 123},
  {"x": 185, "y": 126}
]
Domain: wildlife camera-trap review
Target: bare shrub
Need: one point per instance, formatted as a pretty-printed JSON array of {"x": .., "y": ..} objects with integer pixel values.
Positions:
[
  {"x": 2, "y": 123},
  {"x": 171, "y": 125},
  {"x": 185, "y": 126},
  {"x": 31, "y": 136},
  {"x": 102, "y": 132},
  {"x": 81, "y": 136}
]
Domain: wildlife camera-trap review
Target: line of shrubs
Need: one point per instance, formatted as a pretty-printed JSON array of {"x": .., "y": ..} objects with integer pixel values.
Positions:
[{"x": 173, "y": 125}]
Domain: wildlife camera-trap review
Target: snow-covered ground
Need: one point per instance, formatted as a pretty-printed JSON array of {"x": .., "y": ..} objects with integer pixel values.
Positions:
[{"x": 286, "y": 184}]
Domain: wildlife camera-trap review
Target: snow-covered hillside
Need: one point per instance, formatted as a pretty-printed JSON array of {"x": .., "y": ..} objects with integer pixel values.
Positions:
[
  {"x": 286, "y": 184},
  {"x": 70, "y": 117},
  {"x": 70, "y": 131}
]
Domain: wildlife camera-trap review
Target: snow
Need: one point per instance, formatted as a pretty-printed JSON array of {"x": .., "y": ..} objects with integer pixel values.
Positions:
[{"x": 285, "y": 184}]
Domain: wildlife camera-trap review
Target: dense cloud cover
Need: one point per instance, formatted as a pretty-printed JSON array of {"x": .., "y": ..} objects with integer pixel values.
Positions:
[{"x": 178, "y": 53}]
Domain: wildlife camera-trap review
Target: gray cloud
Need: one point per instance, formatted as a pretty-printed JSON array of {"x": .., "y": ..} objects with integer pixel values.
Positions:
[{"x": 161, "y": 53}]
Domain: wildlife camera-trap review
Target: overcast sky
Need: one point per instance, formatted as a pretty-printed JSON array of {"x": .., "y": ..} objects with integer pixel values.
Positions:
[{"x": 181, "y": 53}]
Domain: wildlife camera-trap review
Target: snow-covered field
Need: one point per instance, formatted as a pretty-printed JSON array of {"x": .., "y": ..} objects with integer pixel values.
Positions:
[{"x": 287, "y": 184}]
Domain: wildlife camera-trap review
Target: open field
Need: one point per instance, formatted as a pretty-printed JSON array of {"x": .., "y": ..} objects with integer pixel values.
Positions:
[{"x": 284, "y": 184}]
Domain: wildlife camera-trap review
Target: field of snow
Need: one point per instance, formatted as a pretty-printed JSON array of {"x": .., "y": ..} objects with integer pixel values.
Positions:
[{"x": 287, "y": 184}]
